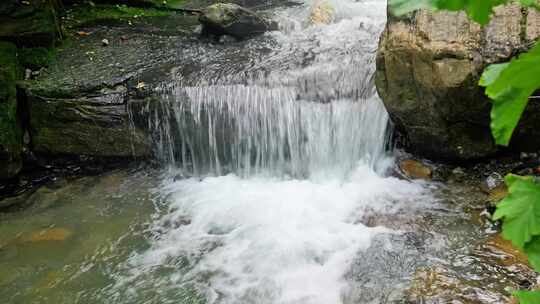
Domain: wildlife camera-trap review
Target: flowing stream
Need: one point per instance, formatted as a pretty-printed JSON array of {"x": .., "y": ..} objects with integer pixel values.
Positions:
[
  {"x": 274, "y": 187},
  {"x": 276, "y": 164}
]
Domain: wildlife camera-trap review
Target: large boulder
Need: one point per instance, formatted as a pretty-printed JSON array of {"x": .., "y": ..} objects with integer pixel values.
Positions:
[
  {"x": 10, "y": 130},
  {"x": 95, "y": 124},
  {"x": 428, "y": 67},
  {"x": 234, "y": 20},
  {"x": 80, "y": 104}
]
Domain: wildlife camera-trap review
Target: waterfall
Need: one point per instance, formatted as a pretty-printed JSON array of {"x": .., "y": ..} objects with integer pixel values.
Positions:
[
  {"x": 281, "y": 141},
  {"x": 302, "y": 104},
  {"x": 252, "y": 129}
]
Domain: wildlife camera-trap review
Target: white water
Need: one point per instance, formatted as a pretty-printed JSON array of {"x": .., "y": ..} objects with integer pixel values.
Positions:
[{"x": 288, "y": 163}]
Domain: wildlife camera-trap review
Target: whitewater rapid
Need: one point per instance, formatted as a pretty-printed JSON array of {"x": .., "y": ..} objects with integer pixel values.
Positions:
[{"x": 273, "y": 169}]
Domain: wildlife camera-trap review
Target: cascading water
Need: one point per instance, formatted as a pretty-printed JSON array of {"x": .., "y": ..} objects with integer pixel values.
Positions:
[
  {"x": 251, "y": 130},
  {"x": 286, "y": 139}
]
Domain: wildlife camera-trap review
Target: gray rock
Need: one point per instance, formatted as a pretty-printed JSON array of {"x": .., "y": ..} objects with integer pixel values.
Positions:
[
  {"x": 80, "y": 105},
  {"x": 234, "y": 20},
  {"x": 428, "y": 66}
]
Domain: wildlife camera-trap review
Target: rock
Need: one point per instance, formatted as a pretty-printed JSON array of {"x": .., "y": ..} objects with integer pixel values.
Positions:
[
  {"x": 10, "y": 129},
  {"x": 105, "y": 42},
  {"x": 497, "y": 194},
  {"x": 85, "y": 125},
  {"x": 458, "y": 174},
  {"x": 415, "y": 169},
  {"x": 29, "y": 23},
  {"x": 234, "y": 20},
  {"x": 80, "y": 105},
  {"x": 322, "y": 13},
  {"x": 493, "y": 181},
  {"x": 51, "y": 234},
  {"x": 506, "y": 252},
  {"x": 428, "y": 67}
]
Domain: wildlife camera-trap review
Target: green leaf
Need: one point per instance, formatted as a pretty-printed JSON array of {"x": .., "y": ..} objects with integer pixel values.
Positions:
[
  {"x": 506, "y": 112},
  {"x": 479, "y": 11},
  {"x": 510, "y": 85},
  {"x": 528, "y": 297},
  {"x": 491, "y": 73},
  {"x": 520, "y": 210},
  {"x": 532, "y": 249}
]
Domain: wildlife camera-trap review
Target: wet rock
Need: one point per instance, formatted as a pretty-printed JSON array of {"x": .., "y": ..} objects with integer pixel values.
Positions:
[
  {"x": 322, "y": 13},
  {"x": 488, "y": 274},
  {"x": 82, "y": 103},
  {"x": 234, "y": 20},
  {"x": 51, "y": 234},
  {"x": 493, "y": 181},
  {"x": 10, "y": 128},
  {"x": 91, "y": 125},
  {"x": 415, "y": 169},
  {"x": 458, "y": 174},
  {"x": 497, "y": 194},
  {"x": 506, "y": 252},
  {"x": 29, "y": 23},
  {"x": 428, "y": 66}
]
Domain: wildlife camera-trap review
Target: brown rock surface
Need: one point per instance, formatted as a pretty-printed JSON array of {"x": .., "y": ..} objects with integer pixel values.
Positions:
[{"x": 428, "y": 67}]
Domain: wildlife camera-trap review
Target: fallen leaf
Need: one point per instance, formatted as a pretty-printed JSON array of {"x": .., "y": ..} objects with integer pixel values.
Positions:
[{"x": 83, "y": 33}]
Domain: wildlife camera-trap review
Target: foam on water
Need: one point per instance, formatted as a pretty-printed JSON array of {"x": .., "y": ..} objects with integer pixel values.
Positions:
[
  {"x": 269, "y": 240},
  {"x": 288, "y": 156}
]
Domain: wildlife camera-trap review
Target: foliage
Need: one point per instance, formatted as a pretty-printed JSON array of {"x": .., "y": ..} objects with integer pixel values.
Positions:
[
  {"x": 478, "y": 10},
  {"x": 528, "y": 297},
  {"x": 521, "y": 211},
  {"x": 510, "y": 86}
]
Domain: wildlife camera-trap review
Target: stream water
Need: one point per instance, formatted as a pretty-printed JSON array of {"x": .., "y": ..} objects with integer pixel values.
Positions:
[{"x": 274, "y": 188}]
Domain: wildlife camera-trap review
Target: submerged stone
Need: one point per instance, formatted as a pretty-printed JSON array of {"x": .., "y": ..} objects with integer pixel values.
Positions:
[
  {"x": 234, "y": 20},
  {"x": 415, "y": 169},
  {"x": 52, "y": 234}
]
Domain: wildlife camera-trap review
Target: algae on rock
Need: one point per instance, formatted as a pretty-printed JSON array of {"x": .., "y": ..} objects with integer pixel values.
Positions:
[{"x": 10, "y": 131}]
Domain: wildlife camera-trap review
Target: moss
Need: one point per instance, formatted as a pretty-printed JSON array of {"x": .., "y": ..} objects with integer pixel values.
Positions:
[
  {"x": 10, "y": 131},
  {"x": 35, "y": 58},
  {"x": 9, "y": 70},
  {"x": 82, "y": 15},
  {"x": 31, "y": 26}
]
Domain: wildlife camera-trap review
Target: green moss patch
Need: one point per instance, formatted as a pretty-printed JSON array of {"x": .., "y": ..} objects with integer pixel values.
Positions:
[
  {"x": 86, "y": 14},
  {"x": 10, "y": 132}
]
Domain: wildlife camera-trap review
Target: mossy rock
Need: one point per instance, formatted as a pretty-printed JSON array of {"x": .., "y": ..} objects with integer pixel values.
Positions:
[
  {"x": 31, "y": 23},
  {"x": 35, "y": 58},
  {"x": 10, "y": 131},
  {"x": 234, "y": 20},
  {"x": 85, "y": 126}
]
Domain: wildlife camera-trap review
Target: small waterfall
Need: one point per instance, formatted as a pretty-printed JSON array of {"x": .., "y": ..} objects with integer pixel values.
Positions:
[
  {"x": 298, "y": 103},
  {"x": 251, "y": 129},
  {"x": 285, "y": 138}
]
